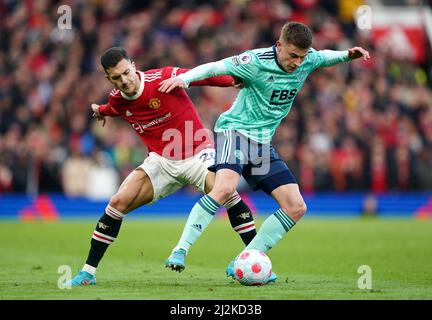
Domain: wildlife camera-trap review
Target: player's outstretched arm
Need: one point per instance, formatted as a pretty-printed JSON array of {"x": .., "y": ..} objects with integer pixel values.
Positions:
[
  {"x": 330, "y": 58},
  {"x": 201, "y": 72},
  {"x": 358, "y": 52}
]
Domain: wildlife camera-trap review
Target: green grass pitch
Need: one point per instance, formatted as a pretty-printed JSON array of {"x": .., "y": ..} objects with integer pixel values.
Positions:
[{"x": 318, "y": 259}]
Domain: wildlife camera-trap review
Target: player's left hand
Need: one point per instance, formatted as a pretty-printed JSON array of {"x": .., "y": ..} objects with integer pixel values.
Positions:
[
  {"x": 237, "y": 83},
  {"x": 169, "y": 85},
  {"x": 358, "y": 52}
]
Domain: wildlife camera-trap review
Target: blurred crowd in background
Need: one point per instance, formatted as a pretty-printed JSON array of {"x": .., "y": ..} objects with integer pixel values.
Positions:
[{"x": 357, "y": 126}]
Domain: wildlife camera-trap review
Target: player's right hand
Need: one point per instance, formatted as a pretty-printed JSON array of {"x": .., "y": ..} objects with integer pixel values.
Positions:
[
  {"x": 169, "y": 85},
  {"x": 357, "y": 52},
  {"x": 96, "y": 113}
]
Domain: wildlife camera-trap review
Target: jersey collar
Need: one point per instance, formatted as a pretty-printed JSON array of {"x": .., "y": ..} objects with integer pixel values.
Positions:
[
  {"x": 140, "y": 90},
  {"x": 276, "y": 59}
]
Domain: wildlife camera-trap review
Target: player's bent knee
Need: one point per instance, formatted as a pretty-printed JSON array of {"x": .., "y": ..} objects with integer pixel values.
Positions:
[
  {"x": 300, "y": 209},
  {"x": 296, "y": 210},
  {"x": 117, "y": 202},
  {"x": 224, "y": 193},
  {"x": 304, "y": 209}
]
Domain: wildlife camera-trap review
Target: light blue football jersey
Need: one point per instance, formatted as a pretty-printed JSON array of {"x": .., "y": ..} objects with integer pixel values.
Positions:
[{"x": 268, "y": 90}]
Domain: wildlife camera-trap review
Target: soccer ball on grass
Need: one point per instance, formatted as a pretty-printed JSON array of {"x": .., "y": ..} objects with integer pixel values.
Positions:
[{"x": 252, "y": 268}]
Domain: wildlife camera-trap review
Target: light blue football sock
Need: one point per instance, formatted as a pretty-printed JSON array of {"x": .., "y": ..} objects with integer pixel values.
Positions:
[
  {"x": 272, "y": 231},
  {"x": 199, "y": 218}
]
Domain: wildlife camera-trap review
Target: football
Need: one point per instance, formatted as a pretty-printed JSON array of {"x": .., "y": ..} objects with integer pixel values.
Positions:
[{"x": 252, "y": 268}]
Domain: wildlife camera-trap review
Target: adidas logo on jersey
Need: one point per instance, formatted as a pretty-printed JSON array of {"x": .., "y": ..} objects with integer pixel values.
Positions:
[
  {"x": 270, "y": 79},
  {"x": 128, "y": 113}
]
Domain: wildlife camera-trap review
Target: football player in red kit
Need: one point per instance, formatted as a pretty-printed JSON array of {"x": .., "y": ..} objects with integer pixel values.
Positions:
[{"x": 180, "y": 151}]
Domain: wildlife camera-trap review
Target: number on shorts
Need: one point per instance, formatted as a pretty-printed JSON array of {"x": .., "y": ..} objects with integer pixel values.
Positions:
[{"x": 207, "y": 156}]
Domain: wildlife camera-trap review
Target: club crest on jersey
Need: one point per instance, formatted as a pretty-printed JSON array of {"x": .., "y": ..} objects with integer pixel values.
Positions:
[
  {"x": 245, "y": 58},
  {"x": 154, "y": 103}
]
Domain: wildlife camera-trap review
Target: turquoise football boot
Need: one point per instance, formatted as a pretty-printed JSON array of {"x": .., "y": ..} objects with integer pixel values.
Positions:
[
  {"x": 272, "y": 278},
  {"x": 230, "y": 269},
  {"x": 83, "y": 278},
  {"x": 176, "y": 261}
]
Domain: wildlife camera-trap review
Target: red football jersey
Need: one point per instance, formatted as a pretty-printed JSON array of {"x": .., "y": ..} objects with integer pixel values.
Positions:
[{"x": 168, "y": 123}]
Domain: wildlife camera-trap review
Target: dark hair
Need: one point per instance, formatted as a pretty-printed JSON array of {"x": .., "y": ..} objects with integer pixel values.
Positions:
[
  {"x": 111, "y": 57},
  {"x": 297, "y": 34}
]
